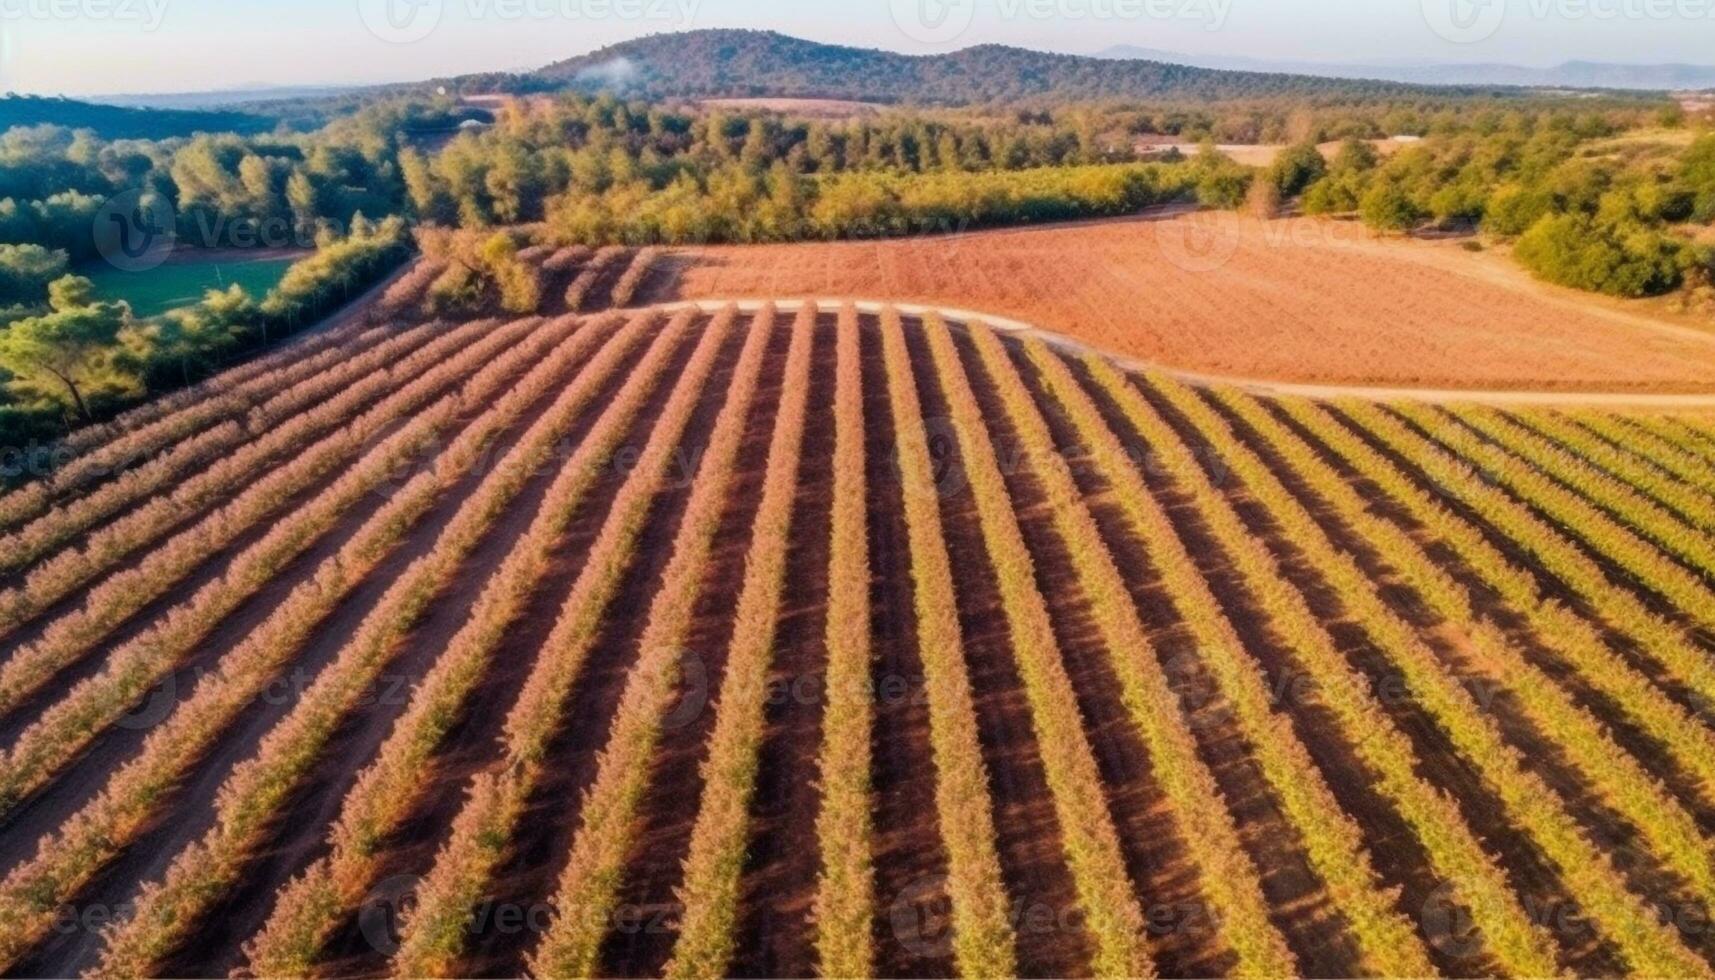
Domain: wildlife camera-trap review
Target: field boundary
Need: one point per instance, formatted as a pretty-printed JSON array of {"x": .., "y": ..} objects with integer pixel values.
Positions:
[{"x": 1255, "y": 386}]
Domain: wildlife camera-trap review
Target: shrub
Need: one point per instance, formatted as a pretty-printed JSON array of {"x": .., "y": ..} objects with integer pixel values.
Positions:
[
  {"x": 1387, "y": 207},
  {"x": 1620, "y": 259}
]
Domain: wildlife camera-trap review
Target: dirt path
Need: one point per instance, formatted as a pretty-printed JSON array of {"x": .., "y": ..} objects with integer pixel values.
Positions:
[{"x": 1257, "y": 386}]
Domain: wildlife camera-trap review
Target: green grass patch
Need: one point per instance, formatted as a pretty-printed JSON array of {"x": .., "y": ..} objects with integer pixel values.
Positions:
[{"x": 183, "y": 282}]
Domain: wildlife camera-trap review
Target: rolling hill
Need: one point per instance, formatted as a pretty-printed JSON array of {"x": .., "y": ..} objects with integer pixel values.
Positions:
[
  {"x": 124, "y": 122},
  {"x": 764, "y": 63},
  {"x": 1569, "y": 74}
]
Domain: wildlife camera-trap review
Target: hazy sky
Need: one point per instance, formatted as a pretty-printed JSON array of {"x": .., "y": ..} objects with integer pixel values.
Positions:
[{"x": 117, "y": 46}]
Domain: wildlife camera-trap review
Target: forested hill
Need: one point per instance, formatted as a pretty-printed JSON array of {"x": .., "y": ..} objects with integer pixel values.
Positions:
[
  {"x": 122, "y": 122},
  {"x": 764, "y": 63}
]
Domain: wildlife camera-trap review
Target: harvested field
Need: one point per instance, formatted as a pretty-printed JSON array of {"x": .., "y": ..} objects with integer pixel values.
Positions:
[
  {"x": 1300, "y": 300},
  {"x": 808, "y": 640}
]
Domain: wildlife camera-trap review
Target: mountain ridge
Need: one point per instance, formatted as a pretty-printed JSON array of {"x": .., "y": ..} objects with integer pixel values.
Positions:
[
  {"x": 739, "y": 63},
  {"x": 1582, "y": 74}
]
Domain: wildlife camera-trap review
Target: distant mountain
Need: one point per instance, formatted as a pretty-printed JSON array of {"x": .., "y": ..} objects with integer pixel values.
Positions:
[
  {"x": 123, "y": 122},
  {"x": 223, "y": 98},
  {"x": 1571, "y": 74},
  {"x": 740, "y": 63}
]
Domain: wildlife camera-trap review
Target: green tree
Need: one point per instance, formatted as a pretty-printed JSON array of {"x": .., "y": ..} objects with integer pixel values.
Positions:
[
  {"x": 26, "y": 270},
  {"x": 70, "y": 349},
  {"x": 1387, "y": 207},
  {"x": 1296, "y": 168}
]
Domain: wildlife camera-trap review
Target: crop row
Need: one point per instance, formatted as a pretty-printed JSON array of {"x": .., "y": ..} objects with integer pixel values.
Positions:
[
  {"x": 157, "y": 477},
  {"x": 1688, "y": 503},
  {"x": 1691, "y": 434},
  {"x": 709, "y": 889},
  {"x": 288, "y": 365},
  {"x": 308, "y": 909},
  {"x": 58, "y": 577},
  {"x": 566, "y": 258},
  {"x": 641, "y": 265},
  {"x": 250, "y": 802},
  {"x": 1517, "y": 943},
  {"x": 608, "y": 815},
  {"x": 1632, "y": 504},
  {"x": 131, "y": 590},
  {"x": 1335, "y": 843},
  {"x": 1200, "y": 813},
  {"x": 1666, "y": 643},
  {"x": 1087, "y": 832},
  {"x": 32, "y": 893},
  {"x": 845, "y": 891},
  {"x": 128, "y": 802},
  {"x": 1643, "y": 438},
  {"x": 1617, "y": 776},
  {"x": 1573, "y": 639},
  {"x": 578, "y": 292},
  {"x": 1599, "y": 531},
  {"x": 982, "y": 932},
  {"x": 123, "y": 449},
  {"x": 1531, "y": 805},
  {"x": 434, "y": 934}
]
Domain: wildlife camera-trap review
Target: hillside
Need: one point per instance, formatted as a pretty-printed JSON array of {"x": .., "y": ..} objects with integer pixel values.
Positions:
[
  {"x": 763, "y": 63},
  {"x": 123, "y": 122},
  {"x": 1570, "y": 74}
]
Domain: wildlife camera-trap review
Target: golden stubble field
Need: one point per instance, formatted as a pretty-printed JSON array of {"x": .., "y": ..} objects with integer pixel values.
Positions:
[{"x": 1303, "y": 300}]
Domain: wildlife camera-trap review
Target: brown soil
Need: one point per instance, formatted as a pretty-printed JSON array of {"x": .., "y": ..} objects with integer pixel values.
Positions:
[
  {"x": 1304, "y": 300},
  {"x": 1488, "y": 684},
  {"x": 1161, "y": 867},
  {"x": 529, "y": 876},
  {"x": 668, "y": 810},
  {"x": 191, "y": 813},
  {"x": 910, "y": 861},
  {"x": 778, "y": 887},
  {"x": 1531, "y": 873},
  {"x": 1033, "y": 863}
]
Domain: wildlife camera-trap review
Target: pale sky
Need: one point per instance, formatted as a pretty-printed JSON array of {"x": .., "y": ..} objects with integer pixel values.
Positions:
[{"x": 80, "y": 47}]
